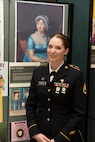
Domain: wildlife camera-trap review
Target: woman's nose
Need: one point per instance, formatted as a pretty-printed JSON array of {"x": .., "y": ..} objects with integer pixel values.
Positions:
[{"x": 53, "y": 50}]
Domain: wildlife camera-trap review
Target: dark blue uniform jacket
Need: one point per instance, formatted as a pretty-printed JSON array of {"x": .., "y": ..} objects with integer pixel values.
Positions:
[{"x": 56, "y": 108}]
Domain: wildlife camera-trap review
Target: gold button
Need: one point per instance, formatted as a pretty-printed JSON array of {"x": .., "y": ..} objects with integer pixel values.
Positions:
[
  {"x": 48, "y": 90},
  {"x": 66, "y": 67},
  {"x": 48, "y": 99},
  {"x": 48, "y": 119},
  {"x": 48, "y": 109}
]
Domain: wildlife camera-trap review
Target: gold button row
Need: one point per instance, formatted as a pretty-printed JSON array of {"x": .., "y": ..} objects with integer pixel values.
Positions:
[{"x": 48, "y": 119}]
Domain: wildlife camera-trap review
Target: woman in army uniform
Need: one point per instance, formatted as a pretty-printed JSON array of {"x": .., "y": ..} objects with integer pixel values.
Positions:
[{"x": 57, "y": 98}]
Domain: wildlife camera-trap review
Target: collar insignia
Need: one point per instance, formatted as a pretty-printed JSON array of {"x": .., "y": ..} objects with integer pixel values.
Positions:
[{"x": 43, "y": 78}]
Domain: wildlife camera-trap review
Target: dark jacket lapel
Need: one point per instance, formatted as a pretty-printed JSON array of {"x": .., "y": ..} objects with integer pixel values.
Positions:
[{"x": 45, "y": 72}]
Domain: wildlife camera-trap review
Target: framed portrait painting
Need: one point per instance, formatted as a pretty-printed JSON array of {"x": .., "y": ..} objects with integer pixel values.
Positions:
[{"x": 31, "y": 38}]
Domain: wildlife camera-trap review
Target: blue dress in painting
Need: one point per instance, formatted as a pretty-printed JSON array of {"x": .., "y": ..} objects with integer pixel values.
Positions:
[{"x": 38, "y": 44}]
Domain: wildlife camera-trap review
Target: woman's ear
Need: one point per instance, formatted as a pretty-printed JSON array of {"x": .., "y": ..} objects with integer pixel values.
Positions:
[{"x": 66, "y": 51}]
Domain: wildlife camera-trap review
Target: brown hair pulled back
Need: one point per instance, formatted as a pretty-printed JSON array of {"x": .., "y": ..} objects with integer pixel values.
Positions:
[{"x": 65, "y": 39}]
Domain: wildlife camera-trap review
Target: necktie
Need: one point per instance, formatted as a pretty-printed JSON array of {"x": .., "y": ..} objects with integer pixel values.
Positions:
[{"x": 52, "y": 75}]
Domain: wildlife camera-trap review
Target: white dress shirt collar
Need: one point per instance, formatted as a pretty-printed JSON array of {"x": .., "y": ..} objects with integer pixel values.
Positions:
[{"x": 50, "y": 69}]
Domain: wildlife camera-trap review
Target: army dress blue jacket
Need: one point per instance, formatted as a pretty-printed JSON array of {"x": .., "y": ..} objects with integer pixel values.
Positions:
[{"x": 56, "y": 108}]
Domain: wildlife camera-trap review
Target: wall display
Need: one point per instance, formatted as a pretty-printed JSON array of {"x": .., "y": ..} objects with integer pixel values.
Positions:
[
  {"x": 20, "y": 75},
  {"x": 27, "y": 34},
  {"x": 3, "y": 132},
  {"x": 19, "y": 131},
  {"x": 3, "y": 85},
  {"x": 1, "y": 31},
  {"x": 1, "y": 104},
  {"x": 4, "y": 78},
  {"x": 18, "y": 97},
  {"x": 93, "y": 38}
]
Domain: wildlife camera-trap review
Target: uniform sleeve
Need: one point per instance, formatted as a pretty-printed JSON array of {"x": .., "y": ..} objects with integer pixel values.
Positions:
[
  {"x": 31, "y": 107},
  {"x": 78, "y": 111}
]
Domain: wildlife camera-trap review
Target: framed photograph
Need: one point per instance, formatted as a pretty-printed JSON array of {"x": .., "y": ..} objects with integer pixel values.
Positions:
[
  {"x": 17, "y": 99},
  {"x": 19, "y": 131},
  {"x": 35, "y": 22},
  {"x": 16, "y": 95}
]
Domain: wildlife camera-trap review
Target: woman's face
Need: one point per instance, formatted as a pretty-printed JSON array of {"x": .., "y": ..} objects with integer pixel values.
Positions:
[
  {"x": 56, "y": 50},
  {"x": 41, "y": 27}
]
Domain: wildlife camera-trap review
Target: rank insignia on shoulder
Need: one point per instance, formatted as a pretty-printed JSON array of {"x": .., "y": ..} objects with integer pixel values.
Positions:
[
  {"x": 84, "y": 89},
  {"x": 74, "y": 66}
]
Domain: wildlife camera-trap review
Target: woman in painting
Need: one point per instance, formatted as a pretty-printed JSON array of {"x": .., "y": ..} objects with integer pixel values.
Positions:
[{"x": 38, "y": 41}]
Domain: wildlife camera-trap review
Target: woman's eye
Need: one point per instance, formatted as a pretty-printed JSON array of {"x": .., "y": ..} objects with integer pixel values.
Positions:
[
  {"x": 49, "y": 46},
  {"x": 58, "y": 47}
]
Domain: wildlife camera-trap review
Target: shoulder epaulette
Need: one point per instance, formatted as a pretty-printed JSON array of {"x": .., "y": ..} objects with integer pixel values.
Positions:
[{"x": 74, "y": 66}]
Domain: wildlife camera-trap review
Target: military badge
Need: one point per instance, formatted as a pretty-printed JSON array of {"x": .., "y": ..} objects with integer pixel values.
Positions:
[
  {"x": 61, "y": 86},
  {"x": 57, "y": 90},
  {"x": 63, "y": 90},
  {"x": 43, "y": 78}
]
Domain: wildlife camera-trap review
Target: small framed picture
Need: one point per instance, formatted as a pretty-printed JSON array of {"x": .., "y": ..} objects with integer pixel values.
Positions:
[{"x": 16, "y": 95}]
